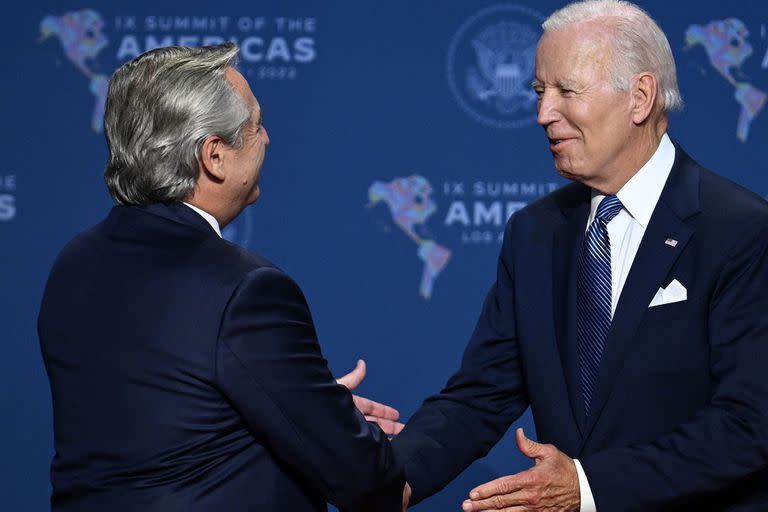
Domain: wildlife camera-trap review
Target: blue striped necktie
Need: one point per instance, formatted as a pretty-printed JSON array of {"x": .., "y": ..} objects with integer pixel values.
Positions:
[{"x": 594, "y": 296}]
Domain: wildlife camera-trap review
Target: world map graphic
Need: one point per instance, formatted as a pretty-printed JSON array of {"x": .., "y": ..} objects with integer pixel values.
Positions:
[
  {"x": 410, "y": 205},
  {"x": 81, "y": 38},
  {"x": 727, "y": 48}
]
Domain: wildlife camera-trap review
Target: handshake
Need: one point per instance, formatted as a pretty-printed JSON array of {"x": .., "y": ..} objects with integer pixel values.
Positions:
[{"x": 552, "y": 484}]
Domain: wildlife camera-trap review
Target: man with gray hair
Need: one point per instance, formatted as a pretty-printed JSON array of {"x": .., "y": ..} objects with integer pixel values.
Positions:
[
  {"x": 629, "y": 308},
  {"x": 185, "y": 372}
]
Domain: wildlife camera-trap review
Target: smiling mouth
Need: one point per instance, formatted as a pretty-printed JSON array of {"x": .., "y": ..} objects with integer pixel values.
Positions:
[
  {"x": 554, "y": 144},
  {"x": 558, "y": 143}
]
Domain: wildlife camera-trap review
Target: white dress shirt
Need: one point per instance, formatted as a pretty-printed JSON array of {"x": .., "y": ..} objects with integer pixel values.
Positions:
[
  {"x": 208, "y": 217},
  {"x": 625, "y": 231}
]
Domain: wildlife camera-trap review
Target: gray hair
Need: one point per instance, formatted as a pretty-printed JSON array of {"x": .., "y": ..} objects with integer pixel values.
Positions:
[
  {"x": 160, "y": 108},
  {"x": 639, "y": 44}
]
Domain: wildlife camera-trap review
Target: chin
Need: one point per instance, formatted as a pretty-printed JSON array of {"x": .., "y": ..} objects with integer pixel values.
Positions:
[
  {"x": 566, "y": 173},
  {"x": 573, "y": 176},
  {"x": 569, "y": 171}
]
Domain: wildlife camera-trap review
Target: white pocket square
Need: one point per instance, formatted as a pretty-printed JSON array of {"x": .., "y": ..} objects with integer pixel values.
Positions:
[{"x": 674, "y": 292}]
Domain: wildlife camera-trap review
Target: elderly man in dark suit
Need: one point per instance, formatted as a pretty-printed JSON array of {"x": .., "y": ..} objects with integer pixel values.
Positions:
[
  {"x": 185, "y": 372},
  {"x": 629, "y": 309}
]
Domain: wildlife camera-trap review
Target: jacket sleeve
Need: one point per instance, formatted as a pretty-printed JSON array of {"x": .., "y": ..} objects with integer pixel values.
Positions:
[
  {"x": 727, "y": 441},
  {"x": 270, "y": 367},
  {"x": 478, "y": 404}
]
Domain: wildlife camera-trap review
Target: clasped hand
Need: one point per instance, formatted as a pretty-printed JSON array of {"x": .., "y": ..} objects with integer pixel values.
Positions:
[{"x": 383, "y": 415}]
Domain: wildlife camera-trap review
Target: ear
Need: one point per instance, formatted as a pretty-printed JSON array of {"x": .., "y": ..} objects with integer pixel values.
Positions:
[
  {"x": 645, "y": 88},
  {"x": 212, "y": 157}
]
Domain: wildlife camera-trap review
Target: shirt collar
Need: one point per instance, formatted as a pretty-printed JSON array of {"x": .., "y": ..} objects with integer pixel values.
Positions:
[
  {"x": 208, "y": 217},
  {"x": 641, "y": 193}
]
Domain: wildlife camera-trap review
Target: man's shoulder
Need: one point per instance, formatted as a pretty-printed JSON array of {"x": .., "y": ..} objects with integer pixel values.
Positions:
[
  {"x": 130, "y": 239},
  {"x": 239, "y": 259},
  {"x": 730, "y": 199},
  {"x": 733, "y": 219},
  {"x": 722, "y": 199}
]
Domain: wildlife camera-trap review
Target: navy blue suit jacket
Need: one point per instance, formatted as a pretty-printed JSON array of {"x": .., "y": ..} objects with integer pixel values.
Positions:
[
  {"x": 186, "y": 375},
  {"x": 679, "y": 417}
]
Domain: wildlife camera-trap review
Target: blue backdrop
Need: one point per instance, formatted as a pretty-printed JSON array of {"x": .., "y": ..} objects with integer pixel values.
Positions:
[{"x": 403, "y": 136}]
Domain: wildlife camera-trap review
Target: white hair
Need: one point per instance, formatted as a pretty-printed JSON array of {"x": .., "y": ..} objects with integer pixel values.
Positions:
[
  {"x": 639, "y": 45},
  {"x": 160, "y": 108}
]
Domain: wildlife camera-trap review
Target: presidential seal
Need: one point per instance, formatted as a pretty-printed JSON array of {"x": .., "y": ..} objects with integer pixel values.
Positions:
[{"x": 490, "y": 65}]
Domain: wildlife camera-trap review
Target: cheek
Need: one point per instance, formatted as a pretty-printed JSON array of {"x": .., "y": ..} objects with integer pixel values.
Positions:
[
  {"x": 599, "y": 132},
  {"x": 614, "y": 133},
  {"x": 258, "y": 152}
]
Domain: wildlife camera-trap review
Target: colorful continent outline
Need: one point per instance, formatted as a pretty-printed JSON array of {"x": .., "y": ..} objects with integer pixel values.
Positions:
[
  {"x": 716, "y": 38},
  {"x": 81, "y": 37},
  {"x": 410, "y": 205}
]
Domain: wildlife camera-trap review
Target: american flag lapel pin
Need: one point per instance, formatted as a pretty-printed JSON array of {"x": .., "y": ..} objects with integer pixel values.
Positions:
[{"x": 670, "y": 242}]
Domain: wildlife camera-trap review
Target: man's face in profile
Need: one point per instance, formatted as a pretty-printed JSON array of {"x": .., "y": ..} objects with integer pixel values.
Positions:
[
  {"x": 246, "y": 161},
  {"x": 587, "y": 120}
]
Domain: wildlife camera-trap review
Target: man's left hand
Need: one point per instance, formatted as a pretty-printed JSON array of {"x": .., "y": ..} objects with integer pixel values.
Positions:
[{"x": 551, "y": 485}]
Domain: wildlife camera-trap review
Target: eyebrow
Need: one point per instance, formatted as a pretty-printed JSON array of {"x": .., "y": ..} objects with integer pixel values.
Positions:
[
  {"x": 566, "y": 84},
  {"x": 560, "y": 84}
]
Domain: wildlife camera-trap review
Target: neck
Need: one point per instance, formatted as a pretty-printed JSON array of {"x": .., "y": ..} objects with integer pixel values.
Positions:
[{"x": 208, "y": 206}]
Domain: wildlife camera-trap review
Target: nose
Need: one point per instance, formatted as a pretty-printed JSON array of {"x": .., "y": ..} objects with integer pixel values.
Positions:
[
  {"x": 265, "y": 135},
  {"x": 547, "y": 111}
]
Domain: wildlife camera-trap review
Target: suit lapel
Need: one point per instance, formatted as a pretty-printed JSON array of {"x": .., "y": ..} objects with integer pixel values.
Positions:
[
  {"x": 652, "y": 263},
  {"x": 568, "y": 238}
]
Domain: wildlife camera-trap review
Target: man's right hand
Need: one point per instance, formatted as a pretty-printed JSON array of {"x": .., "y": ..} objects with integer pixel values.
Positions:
[{"x": 383, "y": 415}]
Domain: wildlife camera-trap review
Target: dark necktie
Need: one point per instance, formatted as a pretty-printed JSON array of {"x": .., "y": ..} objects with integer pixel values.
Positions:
[{"x": 594, "y": 296}]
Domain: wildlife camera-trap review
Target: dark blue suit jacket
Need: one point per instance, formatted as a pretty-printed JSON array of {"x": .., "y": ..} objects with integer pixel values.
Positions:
[
  {"x": 679, "y": 418},
  {"x": 186, "y": 375}
]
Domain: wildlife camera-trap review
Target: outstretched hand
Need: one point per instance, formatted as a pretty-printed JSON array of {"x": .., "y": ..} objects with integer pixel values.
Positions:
[
  {"x": 551, "y": 485},
  {"x": 383, "y": 415}
]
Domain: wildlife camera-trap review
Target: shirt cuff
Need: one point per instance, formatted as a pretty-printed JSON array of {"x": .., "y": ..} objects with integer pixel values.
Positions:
[{"x": 587, "y": 500}]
